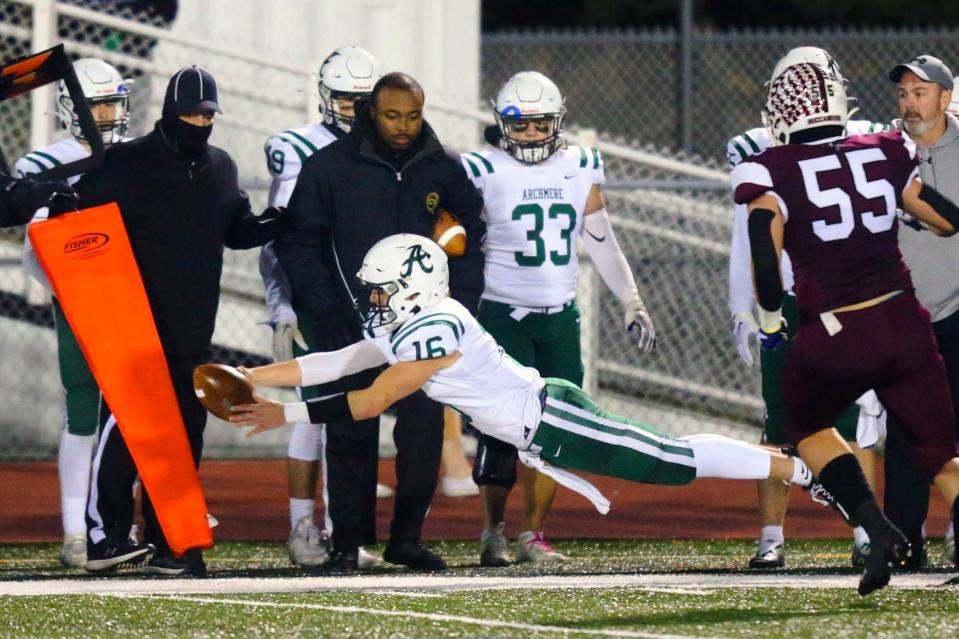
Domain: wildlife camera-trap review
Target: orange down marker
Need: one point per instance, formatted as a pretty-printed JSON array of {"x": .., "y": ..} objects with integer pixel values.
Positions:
[{"x": 90, "y": 264}]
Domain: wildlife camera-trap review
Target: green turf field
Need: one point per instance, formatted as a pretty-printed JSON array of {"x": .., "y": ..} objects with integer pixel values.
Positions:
[{"x": 653, "y": 589}]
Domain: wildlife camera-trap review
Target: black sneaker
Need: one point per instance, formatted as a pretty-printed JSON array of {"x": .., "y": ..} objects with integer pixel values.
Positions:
[
  {"x": 110, "y": 554},
  {"x": 885, "y": 553},
  {"x": 165, "y": 564},
  {"x": 341, "y": 562},
  {"x": 414, "y": 556}
]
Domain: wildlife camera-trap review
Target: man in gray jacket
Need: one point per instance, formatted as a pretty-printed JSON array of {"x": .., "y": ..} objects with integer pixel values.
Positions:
[{"x": 925, "y": 91}]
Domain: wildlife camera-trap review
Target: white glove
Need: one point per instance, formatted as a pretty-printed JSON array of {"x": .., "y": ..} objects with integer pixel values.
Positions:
[
  {"x": 284, "y": 334},
  {"x": 744, "y": 327},
  {"x": 639, "y": 325}
]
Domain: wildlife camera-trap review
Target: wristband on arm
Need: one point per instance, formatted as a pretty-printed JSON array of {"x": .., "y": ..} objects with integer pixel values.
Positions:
[
  {"x": 319, "y": 411},
  {"x": 945, "y": 207}
]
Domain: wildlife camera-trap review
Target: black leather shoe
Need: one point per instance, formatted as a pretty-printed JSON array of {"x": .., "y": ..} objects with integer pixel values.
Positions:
[
  {"x": 341, "y": 562},
  {"x": 414, "y": 556}
]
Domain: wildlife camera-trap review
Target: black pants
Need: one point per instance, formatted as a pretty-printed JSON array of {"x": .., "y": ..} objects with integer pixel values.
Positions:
[
  {"x": 111, "y": 505},
  {"x": 906, "y": 498},
  {"x": 352, "y": 456}
]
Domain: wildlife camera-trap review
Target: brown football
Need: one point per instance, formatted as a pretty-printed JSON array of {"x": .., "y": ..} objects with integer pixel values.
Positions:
[
  {"x": 449, "y": 233},
  {"x": 218, "y": 387}
]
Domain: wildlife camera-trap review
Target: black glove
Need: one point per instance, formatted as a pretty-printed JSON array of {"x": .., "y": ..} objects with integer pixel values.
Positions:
[
  {"x": 273, "y": 213},
  {"x": 58, "y": 196}
]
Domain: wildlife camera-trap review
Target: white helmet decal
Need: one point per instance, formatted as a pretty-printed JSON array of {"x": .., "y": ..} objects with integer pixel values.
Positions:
[
  {"x": 101, "y": 83},
  {"x": 529, "y": 97},
  {"x": 804, "y": 96},
  {"x": 347, "y": 73},
  {"x": 403, "y": 274},
  {"x": 813, "y": 55}
]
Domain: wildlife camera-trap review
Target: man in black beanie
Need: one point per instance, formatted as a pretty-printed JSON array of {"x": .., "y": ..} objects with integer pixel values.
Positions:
[{"x": 181, "y": 205}]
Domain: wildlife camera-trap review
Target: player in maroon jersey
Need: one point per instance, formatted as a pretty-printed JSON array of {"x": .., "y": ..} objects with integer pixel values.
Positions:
[{"x": 831, "y": 201}]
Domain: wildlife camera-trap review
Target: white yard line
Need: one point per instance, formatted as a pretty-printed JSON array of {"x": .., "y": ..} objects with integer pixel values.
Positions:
[
  {"x": 676, "y": 583},
  {"x": 428, "y": 616}
]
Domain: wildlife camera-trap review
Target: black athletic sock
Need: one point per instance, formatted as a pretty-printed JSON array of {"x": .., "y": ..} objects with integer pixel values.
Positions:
[{"x": 843, "y": 477}]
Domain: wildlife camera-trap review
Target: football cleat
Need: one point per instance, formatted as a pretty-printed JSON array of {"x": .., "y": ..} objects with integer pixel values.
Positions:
[
  {"x": 383, "y": 491},
  {"x": 307, "y": 545},
  {"x": 365, "y": 560},
  {"x": 494, "y": 552},
  {"x": 532, "y": 546},
  {"x": 886, "y": 552},
  {"x": 73, "y": 553},
  {"x": 770, "y": 558}
]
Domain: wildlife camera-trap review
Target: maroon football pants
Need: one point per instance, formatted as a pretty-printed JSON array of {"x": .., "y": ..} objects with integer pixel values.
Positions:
[{"x": 889, "y": 347}]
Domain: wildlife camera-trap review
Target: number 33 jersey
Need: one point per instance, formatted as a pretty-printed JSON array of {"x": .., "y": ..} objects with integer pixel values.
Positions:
[
  {"x": 839, "y": 199},
  {"x": 533, "y": 215}
]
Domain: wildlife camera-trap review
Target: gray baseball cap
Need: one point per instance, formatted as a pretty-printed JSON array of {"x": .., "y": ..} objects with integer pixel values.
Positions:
[{"x": 929, "y": 68}]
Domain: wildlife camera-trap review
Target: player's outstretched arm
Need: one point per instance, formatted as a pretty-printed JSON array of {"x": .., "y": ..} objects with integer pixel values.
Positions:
[
  {"x": 937, "y": 212},
  {"x": 600, "y": 242},
  {"x": 317, "y": 368},
  {"x": 392, "y": 385}
]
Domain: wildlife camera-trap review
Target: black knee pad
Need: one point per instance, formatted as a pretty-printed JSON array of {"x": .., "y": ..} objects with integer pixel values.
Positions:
[{"x": 495, "y": 463}]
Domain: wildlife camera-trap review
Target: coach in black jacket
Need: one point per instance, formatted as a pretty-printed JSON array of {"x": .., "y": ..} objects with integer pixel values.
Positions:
[
  {"x": 389, "y": 175},
  {"x": 181, "y": 205},
  {"x": 20, "y": 199}
]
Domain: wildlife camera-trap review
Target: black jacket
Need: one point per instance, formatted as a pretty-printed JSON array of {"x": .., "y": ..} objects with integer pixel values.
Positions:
[
  {"x": 179, "y": 213},
  {"x": 348, "y": 196}
]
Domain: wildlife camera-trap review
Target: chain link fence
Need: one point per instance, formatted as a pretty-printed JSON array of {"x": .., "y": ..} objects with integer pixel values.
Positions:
[
  {"x": 629, "y": 83},
  {"x": 671, "y": 209}
]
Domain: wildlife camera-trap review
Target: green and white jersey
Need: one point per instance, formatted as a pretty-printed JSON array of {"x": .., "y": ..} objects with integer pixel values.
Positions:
[
  {"x": 744, "y": 145},
  {"x": 534, "y": 216},
  {"x": 285, "y": 154},
  {"x": 498, "y": 395},
  {"x": 57, "y": 154}
]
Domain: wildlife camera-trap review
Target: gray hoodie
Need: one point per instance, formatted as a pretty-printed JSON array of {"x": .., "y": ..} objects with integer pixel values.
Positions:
[{"x": 934, "y": 260}]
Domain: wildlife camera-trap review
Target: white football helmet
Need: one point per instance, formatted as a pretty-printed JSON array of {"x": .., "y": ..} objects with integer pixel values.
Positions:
[
  {"x": 804, "y": 96},
  {"x": 348, "y": 73},
  {"x": 101, "y": 83},
  {"x": 403, "y": 274},
  {"x": 813, "y": 55},
  {"x": 529, "y": 98}
]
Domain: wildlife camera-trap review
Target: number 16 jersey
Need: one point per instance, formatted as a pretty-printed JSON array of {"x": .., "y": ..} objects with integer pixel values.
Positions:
[
  {"x": 533, "y": 215},
  {"x": 839, "y": 199}
]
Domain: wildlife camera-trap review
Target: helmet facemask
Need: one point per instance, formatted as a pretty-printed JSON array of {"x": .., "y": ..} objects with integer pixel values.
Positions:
[
  {"x": 401, "y": 275},
  {"x": 525, "y": 150},
  {"x": 331, "y": 110}
]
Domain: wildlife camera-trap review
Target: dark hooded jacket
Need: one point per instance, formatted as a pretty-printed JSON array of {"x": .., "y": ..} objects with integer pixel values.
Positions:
[{"x": 353, "y": 193}]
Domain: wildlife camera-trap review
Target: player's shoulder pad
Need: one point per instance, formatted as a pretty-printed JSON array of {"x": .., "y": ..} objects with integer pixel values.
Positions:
[
  {"x": 582, "y": 157},
  {"x": 286, "y": 152},
  {"x": 750, "y": 179},
  {"x": 862, "y": 127},
  {"x": 479, "y": 164},
  {"x": 747, "y": 144},
  {"x": 429, "y": 335}
]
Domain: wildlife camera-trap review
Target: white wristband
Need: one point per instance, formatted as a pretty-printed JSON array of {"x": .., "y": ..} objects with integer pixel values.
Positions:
[
  {"x": 770, "y": 321},
  {"x": 296, "y": 412}
]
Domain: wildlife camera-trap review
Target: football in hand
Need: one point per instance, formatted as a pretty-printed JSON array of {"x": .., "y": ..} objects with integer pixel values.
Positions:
[
  {"x": 449, "y": 233},
  {"x": 220, "y": 387}
]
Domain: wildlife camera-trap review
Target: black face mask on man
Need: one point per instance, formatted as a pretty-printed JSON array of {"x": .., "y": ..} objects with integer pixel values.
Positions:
[{"x": 187, "y": 138}]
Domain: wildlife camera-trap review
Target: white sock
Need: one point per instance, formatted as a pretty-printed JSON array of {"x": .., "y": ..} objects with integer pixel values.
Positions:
[
  {"x": 860, "y": 536},
  {"x": 802, "y": 476},
  {"x": 725, "y": 458},
  {"x": 300, "y": 508},
  {"x": 770, "y": 536},
  {"x": 950, "y": 531},
  {"x": 74, "y": 462}
]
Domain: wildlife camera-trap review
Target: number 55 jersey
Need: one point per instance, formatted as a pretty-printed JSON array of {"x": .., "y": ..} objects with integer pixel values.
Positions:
[
  {"x": 838, "y": 198},
  {"x": 534, "y": 215}
]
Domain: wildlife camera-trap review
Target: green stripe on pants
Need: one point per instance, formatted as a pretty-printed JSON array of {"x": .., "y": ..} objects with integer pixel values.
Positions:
[
  {"x": 79, "y": 386},
  {"x": 576, "y": 434}
]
